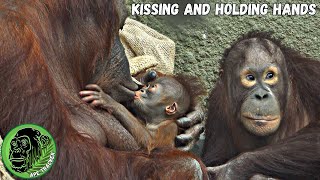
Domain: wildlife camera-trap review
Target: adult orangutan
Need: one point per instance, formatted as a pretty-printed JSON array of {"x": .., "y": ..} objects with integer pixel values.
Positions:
[
  {"x": 49, "y": 50},
  {"x": 264, "y": 113}
]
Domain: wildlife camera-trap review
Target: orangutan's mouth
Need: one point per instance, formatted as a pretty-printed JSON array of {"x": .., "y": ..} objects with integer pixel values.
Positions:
[
  {"x": 17, "y": 159},
  {"x": 261, "y": 118}
]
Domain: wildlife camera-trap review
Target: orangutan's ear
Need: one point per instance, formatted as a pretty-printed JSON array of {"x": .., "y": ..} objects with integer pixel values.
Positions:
[{"x": 172, "y": 109}]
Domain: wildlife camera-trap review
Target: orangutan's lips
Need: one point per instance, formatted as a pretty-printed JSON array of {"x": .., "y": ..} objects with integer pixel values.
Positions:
[
  {"x": 261, "y": 118},
  {"x": 17, "y": 159}
]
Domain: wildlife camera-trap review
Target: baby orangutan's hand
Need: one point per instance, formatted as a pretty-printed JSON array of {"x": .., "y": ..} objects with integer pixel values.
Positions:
[{"x": 95, "y": 96}]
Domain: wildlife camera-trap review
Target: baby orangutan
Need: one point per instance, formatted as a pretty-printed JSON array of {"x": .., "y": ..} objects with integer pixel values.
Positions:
[{"x": 154, "y": 109}]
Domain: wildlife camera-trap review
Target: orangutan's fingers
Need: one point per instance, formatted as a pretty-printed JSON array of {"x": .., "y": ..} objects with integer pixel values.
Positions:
[
  {"x": 196, "y": 130},
  {"x": 87, "y": 93},
  {"x": 94, "y": 87},
  {"x": 90, "y": 98},
  {"x": 191, "y": 119},
  {"x": 183, "y": 139},
  {"x": 262, "y": 177},
  {"x": 191, "y": 134},
  {"x": 97, "y": 103},
  {"x": 189, "y": 146}
]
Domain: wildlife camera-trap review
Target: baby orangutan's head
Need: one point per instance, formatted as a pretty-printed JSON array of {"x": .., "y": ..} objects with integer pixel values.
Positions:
[{"x": 168, "y": 97}]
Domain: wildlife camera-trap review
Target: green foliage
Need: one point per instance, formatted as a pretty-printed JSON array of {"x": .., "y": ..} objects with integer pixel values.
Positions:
[{"x": 43, "y": 160}]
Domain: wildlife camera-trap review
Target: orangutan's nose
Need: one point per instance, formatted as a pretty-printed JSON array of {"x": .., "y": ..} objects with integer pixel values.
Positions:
[{"x": 137, "y": 94}]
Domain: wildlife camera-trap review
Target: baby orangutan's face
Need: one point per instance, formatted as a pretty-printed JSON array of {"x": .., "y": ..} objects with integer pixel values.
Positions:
[{"x": 151, "y": 102}]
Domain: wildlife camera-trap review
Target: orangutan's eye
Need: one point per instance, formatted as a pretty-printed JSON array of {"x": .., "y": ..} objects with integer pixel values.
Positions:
[
  {"x": 14, "y": 143},
  {"x": 24, "y": 142},
  {"x": 250, "y": 77},
  {"x": 269, "y": 75}
]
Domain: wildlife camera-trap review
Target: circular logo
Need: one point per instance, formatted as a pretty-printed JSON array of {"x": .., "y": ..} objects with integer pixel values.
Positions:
[{"x": 28, "y": 151}]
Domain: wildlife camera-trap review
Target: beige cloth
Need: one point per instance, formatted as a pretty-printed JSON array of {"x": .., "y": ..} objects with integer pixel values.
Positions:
[
  {"x": 146, "y": 48},
  {"x": 3, "y": 173}
]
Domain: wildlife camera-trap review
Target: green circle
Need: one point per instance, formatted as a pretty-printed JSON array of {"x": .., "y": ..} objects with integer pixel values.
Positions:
[{"x": 28, "y": 151}]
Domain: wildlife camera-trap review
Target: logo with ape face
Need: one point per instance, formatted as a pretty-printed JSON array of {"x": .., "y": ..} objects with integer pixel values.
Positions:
[{"x": 28, "y": 151}]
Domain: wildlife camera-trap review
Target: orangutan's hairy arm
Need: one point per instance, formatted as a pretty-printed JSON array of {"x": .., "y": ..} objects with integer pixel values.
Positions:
[{"x": 97, "y": 98}]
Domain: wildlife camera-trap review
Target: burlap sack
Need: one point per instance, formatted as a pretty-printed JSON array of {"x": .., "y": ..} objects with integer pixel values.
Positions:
[
  {"x": 147, "y": 48},
  {"x": 3, "y": 173}
]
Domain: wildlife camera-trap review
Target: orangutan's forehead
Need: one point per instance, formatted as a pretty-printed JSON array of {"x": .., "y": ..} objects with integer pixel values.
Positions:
[
  {"x": 256, "y": 56},
  {"x": 256, "y": 52}
]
